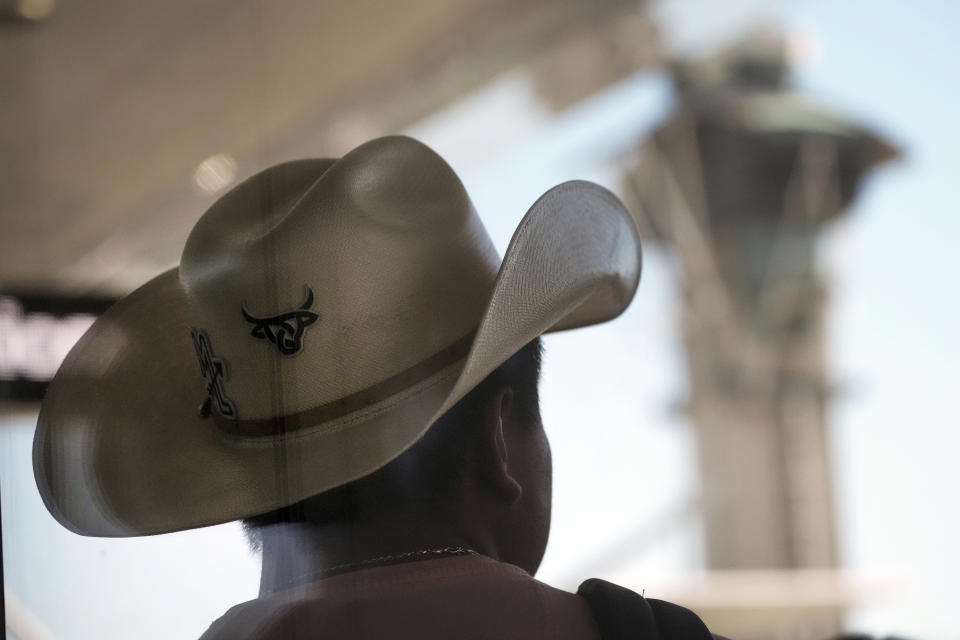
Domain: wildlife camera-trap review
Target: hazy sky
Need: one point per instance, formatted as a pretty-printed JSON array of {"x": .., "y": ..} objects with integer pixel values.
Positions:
[{"x": 896, "y": 299}]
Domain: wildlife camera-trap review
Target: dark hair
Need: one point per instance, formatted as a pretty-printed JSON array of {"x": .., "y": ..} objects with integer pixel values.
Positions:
[{"x": 428, "y": 472}]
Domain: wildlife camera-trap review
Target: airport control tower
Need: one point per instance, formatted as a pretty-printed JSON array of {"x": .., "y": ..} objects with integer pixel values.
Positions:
[{"x": 740, "y": 182}]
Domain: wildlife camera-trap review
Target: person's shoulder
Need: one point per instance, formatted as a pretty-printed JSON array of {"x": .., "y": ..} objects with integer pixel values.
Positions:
[
  {"x": 565, "y": 614},
  {"x": 244, "y": 621},
  {"x": 465, "y": 597},
  {"x": 524, "y": 606}
]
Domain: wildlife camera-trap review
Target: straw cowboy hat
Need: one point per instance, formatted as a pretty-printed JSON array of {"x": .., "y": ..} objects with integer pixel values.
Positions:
[{"x": 324, "y": 314}]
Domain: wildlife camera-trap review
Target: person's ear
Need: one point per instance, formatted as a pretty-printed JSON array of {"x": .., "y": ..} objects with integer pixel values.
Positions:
[{"x": 498, "y": 471}]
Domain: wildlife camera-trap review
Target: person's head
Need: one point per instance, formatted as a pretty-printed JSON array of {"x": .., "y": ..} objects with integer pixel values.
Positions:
[
  {"x": 485, "y": 465},
  {"x": 334, "y": 307}
]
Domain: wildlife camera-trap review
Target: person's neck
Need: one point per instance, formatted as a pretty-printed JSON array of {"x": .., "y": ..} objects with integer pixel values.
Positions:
[{"x": 298, "y": 553}]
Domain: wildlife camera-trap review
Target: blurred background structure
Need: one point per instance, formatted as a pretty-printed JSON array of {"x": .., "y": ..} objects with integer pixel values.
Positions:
[
  {"x": 740, "y": 181},
  {"x": 769, "y": 434},
  {"x": 126, "y": 120}
]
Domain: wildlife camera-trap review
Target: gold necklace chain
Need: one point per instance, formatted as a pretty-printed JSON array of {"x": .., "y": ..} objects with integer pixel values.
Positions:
[{"x": 386, "y": 559}]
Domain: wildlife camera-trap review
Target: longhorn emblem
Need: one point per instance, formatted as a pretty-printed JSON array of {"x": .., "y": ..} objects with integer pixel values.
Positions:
[{"x": 284, "y": 330}]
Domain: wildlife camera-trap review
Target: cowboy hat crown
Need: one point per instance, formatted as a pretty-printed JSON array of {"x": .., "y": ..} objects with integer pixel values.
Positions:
[{"x": 384, "y": 242}]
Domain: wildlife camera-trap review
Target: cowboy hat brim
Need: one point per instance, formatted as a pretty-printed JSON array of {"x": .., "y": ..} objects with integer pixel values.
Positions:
[{"x": 121, "y": 448}]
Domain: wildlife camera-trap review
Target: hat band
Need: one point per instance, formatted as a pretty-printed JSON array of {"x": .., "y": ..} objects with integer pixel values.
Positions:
[{"x": 282, "y": 425}]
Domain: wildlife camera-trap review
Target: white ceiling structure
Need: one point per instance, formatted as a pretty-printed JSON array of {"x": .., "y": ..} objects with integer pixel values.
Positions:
[{"x": 111, "y": 109}]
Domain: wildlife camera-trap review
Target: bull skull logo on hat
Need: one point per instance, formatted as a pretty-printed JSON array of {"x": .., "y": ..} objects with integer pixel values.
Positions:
[{"x": 284, "y": 330}]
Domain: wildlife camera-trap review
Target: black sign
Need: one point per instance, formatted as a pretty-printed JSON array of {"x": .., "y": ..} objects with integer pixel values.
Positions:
[{"x": 36, "y": 333}]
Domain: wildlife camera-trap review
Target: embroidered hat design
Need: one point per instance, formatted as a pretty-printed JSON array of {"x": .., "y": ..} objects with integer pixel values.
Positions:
[{"x": 214, "y": 371}]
